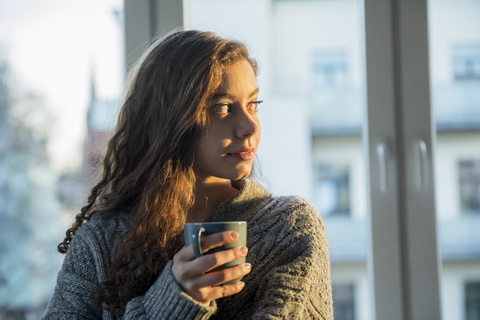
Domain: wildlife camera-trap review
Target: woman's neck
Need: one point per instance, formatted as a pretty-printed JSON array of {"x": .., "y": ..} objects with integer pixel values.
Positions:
[{"x": 208, "y": 196}]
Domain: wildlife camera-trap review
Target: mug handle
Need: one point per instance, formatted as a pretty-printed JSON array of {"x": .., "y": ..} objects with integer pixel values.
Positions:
[{"x": 197, "y": 248}]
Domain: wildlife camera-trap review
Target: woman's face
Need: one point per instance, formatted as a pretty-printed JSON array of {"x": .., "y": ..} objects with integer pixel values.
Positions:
[{"x": 228, "y": 142}]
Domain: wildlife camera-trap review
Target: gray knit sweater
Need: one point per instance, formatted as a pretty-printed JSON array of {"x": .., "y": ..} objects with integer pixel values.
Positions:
[{"x": 288, "y": 251}]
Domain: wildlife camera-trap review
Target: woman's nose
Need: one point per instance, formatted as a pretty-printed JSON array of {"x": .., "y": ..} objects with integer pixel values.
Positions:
[{"x": 246, "y": 125}]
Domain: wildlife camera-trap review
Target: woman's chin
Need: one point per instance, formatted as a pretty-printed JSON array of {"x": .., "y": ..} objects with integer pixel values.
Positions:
[
  {"x": 237, "y": 175},
  {"x": 241, "y": 174}
]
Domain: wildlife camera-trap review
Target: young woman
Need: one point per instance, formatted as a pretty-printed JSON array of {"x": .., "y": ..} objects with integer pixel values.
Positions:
[{"x": 182, "y": 152}]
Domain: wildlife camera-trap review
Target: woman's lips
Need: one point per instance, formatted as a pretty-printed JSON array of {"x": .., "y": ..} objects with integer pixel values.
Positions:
[{"x": 245, "y": 154}]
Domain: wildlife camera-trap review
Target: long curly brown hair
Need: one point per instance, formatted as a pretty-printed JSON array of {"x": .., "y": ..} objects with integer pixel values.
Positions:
[{"x": 148, "y": 165}]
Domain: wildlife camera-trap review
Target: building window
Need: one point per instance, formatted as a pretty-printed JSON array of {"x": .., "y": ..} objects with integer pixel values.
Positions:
[
  {"x": 472, "y": 300},
  {"x": 469, "y": 176},
  {"x": 343, "y": 301},
  {"x": 329, "y": 69},
  {"x": 466, "y": 62},
  {"x": 332, "y": 190}
]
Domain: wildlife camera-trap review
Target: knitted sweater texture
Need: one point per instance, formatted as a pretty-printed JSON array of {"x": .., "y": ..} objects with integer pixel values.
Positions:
[{"x": 288, "y": 251}]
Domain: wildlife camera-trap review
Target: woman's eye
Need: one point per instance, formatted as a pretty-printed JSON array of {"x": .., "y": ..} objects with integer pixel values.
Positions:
[
  {"x": 226, "y": 108},
  {"x": 222, "y": 108},
  {"x": 254, "y": 105}
]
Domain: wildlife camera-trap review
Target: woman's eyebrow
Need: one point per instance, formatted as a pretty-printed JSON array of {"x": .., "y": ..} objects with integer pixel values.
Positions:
[
  {"x": 222, "y": 95},
  {"x": 254, "y": 92},
  {"x": 229, "y": 96}
]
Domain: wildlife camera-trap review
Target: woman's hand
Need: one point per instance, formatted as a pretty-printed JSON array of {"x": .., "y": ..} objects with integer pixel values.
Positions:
[{"x": 190, "y": 273}]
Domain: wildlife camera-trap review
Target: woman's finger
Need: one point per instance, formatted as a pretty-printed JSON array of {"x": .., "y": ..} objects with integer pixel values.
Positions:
[
  {"x": 185, "y": 254},
  {"x": 217, "y": 278},
  {"x": 205, "y": 295},
  {"x": 189, "y": 270},
  {"x": 211, "y": 261},
  {"x": 218, "y": 239},
  {"x": 207, "y": 243},
  {"x": 224, "y": 291}
]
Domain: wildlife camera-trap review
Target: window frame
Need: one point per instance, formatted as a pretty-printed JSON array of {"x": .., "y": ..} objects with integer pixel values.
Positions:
[{"x": 399, "y": 135}]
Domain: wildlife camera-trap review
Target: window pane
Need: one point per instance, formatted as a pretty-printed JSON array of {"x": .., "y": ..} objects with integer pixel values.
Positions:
[
  {"x": 332, "y": 189},
  {"x": 344, "y": 307},
  {"x": 469, "y": 185},
  {"x": 312, "y": 83},
  {"x": 57, "y": 60},
  {"x": 454, "y": 32},
  {"x": 472, "y": 300}
]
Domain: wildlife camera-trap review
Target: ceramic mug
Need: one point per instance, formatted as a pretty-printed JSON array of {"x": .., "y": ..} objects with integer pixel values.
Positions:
[{"x": 194, "y": 232}]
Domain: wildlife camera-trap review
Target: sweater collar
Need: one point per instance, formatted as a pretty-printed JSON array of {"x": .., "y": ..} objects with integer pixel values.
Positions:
[{"x": 241, "y": 207}]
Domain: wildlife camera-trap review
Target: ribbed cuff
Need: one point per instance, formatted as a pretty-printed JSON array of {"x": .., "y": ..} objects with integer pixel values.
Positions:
[{"x": 166, "y": 300}]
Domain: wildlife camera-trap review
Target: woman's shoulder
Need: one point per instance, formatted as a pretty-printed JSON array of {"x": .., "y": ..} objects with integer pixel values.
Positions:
[
  {"x": 296, "y": 204},
  {"x": 293, "y": 208},
  {"x": 90, "y": 248},
  {"x": 289, "y": 215},
  {"x": 287, "y": 226},
  {"x": 103, "y": 230}
]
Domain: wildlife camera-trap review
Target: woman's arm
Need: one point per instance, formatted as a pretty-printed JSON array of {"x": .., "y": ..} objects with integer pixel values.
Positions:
[
  {"x": 85, "y": 264},
  {"x": 165, "y": 300}
]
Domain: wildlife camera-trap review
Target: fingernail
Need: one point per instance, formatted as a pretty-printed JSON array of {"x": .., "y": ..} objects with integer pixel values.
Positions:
[
  {"x": 247, "y": 266},
  {"x": 242, "y": 284},
  {"x": 244, "y": 250},
  {"x": 234, "y": 234}
]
